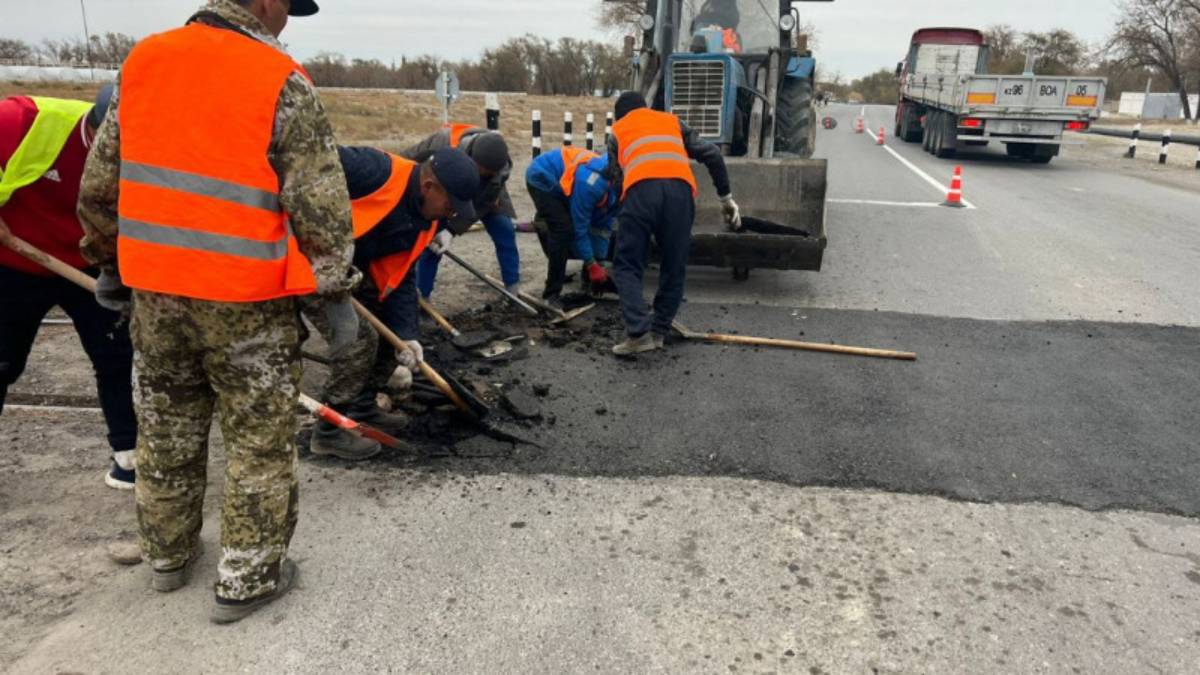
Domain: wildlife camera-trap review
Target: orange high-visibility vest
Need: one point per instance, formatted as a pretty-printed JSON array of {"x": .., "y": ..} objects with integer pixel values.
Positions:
[
  {"x": 573, "y": 158},
  {"x": 389, "y": 271},
  {"x": 457, "y": 131},
  {"x": 731, "y": 42},
  {"x": 651, "y": 146},
  {"x": 199, "y": 212}
]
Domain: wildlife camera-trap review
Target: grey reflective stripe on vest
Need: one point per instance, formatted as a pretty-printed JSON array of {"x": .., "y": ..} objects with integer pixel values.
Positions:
[
  {"x": 196, "y": 184},
  {"x": 203, "y": 241},
  {"x": 673, "y": 140},
  {"x": 656, "y": 156}
]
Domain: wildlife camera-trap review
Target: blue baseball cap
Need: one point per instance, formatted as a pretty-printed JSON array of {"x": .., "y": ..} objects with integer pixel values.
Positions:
[{"x": 459, "y": 175}]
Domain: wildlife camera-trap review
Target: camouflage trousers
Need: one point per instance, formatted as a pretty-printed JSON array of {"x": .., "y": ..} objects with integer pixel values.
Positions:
[
  {"x": 350, "y": 370},
  {"x": 242, "y": 360},
  {"x": 362, "y": 369}
]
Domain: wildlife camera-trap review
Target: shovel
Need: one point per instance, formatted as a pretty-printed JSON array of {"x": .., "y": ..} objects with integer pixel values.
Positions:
[
  {"x": 561, "y": 316},
  {"x": 792, "y": 344},
  {"x": 324, "y": 412},
  {"x": 478, "y": 342},
  {"x": 493, "y": 283}
]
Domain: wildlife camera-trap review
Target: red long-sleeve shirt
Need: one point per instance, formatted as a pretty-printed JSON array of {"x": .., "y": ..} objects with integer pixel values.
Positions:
[{"x": 43, "y": 212}]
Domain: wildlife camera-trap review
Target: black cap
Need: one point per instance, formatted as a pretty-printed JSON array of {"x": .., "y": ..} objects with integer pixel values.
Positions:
[
  {"x": 303, "y": 8},
  {"x": 100, "y": 109},
  {"x": 489, "y": 150},
  {"x": 627, "y": 102},
  {"x": 460, "y": 177}
]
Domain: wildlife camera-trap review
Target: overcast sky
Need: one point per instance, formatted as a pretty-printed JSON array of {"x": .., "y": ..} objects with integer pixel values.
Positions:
[{"x": 856, "y": 36}]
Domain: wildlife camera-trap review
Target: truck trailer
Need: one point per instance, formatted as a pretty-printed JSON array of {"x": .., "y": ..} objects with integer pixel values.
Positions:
[{"x": 948, "y": 100}]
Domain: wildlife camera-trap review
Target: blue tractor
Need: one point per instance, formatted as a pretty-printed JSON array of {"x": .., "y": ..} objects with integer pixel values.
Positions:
[{"x": 740, "y": 74}]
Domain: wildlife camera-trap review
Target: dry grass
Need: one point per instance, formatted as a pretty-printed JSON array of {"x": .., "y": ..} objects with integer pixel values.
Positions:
[{"x": 393, "y": 120}]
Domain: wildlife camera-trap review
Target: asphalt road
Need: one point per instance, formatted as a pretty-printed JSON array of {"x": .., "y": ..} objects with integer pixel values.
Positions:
[{"x": 726, "y": 509}]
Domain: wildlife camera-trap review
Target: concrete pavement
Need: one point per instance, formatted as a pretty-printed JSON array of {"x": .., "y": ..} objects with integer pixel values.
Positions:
[{"x": 680, "y": 529}]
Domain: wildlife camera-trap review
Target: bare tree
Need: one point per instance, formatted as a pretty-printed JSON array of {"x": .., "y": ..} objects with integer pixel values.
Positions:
[
  {"x": 620, "y": 16},
  {"x": 15, "y": 50},
  {"x": 1158, "y": 34}
]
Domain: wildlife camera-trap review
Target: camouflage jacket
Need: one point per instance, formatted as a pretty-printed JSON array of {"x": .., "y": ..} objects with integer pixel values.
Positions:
[{"x": 303, "y": 154}]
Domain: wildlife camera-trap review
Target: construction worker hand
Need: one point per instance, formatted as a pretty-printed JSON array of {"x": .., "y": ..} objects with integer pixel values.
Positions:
[
  {"x": 343, "y": 323},
  {"x": 111, "y": 294},
  {"x": 733, "y": 214},
  {"x": 413, "y": 356},
  {"x": 401, "y": 379},
  {"x": 441, "y": 242}
]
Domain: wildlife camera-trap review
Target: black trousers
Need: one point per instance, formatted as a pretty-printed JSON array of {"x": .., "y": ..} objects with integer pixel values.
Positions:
[
  {"x": 25, "y": 300},
  {"x": 554, "y": 211},
  {"x": 662, "y": 210}
]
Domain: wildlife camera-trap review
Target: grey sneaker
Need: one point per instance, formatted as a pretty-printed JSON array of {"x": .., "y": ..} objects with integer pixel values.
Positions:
[
  {"x": 229, "y": 611},
  {"x": 165, "y": 581},
  {"x": 328, "y": 440},
  {"x": 646, "y": 342}
]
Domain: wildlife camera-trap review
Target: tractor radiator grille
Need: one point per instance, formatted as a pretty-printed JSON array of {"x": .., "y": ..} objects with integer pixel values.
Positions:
[{"x": 697, "y": 95}]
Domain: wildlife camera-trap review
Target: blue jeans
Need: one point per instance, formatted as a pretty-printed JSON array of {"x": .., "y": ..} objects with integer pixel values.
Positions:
[{"x": 504, "y": 236}]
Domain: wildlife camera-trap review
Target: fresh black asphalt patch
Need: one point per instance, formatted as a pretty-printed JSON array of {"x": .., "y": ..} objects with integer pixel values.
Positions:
[{"x": 1097, "y": 415}]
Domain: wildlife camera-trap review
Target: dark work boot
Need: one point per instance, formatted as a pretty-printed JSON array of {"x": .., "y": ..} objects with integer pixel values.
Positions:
[
  {"x": 229, "y": 611},
  {"x": 328, "y": 440},
  {"x": 390, "y": 423}
]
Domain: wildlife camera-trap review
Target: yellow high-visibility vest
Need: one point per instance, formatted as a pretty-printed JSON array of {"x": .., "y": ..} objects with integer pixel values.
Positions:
[{"x": 55, "y": 122}]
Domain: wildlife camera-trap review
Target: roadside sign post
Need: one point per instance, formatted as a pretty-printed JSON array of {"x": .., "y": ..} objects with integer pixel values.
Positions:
[{"x": 446, "y": 88}]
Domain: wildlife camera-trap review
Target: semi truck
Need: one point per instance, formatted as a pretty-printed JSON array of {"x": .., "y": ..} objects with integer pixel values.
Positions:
[{"x": 948, "y": 100}]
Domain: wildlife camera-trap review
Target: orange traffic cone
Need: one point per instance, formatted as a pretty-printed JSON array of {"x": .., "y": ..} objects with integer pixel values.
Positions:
[
  {"x": 954, "y": 196},
  {"x": 859, "y": 126},
  {"x": 879, "y": 139}
]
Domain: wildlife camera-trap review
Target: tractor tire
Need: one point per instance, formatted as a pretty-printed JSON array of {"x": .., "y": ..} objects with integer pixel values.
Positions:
[
  {"x": 947, "y": 136},
  {"x": 795, "y": 119}
]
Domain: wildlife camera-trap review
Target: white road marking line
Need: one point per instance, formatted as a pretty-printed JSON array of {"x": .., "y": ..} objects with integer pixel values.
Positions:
[
  {"x": 876, "y": 202},
  {"x": 915, "y": 169},
  {"x": 50, "y": 408}
]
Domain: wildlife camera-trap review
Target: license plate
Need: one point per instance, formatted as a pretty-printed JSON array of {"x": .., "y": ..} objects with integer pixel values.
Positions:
[{"x": 1023, "y": 128}]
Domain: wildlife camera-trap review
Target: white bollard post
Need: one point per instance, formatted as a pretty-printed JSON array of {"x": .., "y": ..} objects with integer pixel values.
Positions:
[
  {"x": 1166, "y": 147},
  {"x": 537, "y": 133},
  {"x": 1137, "y": 133},
  {"x": 608, "y": 122},
  {"x": 568, "y": 121},
  {"x": 591, "y": 129}
]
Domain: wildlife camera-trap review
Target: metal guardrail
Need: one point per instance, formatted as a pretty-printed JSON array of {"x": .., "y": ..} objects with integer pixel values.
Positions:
[
  {"x": 1150, "y": 136},
  {"x": 1165, "y": 140}
]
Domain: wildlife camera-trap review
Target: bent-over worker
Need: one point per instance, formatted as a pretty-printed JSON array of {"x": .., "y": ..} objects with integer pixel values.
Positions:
[
  {"x": 396, "y": 205},
  {"x": 493, "y": 206},
  {"x": 576, "y": 202},
  {"x": 43, "y": 145},
  {"x": 648, "y": 153}
]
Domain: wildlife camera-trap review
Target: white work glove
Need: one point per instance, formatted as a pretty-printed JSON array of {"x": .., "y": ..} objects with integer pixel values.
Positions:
[
  {"x": 441, "y": 242},
  {"x": 733, "y": 215},
  {"x": 411, "y": 357},
  {"x": 401, "y": 379}
]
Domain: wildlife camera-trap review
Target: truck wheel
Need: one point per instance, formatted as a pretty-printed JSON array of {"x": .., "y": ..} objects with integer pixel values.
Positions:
[
  {"x": 935, "y": 140},
  {"x": 741, "y": 273},
  {"x": 795, "y": 119},
  {"x": 927, "y": 132},
  {"x": 911, "y": 125},
  {"x": 1042, "y": 153},
  {"x": 947, "y": 136}
]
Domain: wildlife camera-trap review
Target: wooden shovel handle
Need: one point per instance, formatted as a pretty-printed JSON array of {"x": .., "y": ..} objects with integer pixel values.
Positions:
[
  {"x": 426, "y": 369},
  {"x": 437, "y": 317},
  {"x": 22, "y": 247},
  {"x": 808, "y": 346}
]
